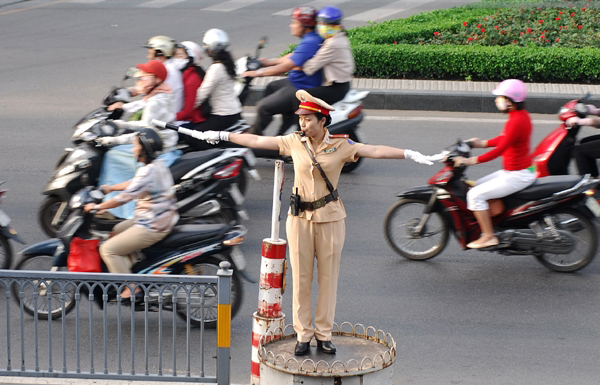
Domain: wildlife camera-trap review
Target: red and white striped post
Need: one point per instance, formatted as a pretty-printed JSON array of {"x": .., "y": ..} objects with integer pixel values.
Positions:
[{"x": 272, "y": 278}]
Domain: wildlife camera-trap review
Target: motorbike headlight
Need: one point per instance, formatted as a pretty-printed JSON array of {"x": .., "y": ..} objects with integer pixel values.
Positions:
[
  {"x": 563, "y": 110},
  {"x": 79, "y": 165},
  {"x": 76, "y": 201},
  {"x": 66, "y": 170}
]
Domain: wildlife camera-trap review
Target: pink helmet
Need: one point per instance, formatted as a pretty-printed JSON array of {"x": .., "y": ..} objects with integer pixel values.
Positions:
[{"x": 513, "y": 89}]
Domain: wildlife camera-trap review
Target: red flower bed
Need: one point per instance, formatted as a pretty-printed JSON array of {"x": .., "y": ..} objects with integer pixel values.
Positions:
[{"x": 557, "y": 26}]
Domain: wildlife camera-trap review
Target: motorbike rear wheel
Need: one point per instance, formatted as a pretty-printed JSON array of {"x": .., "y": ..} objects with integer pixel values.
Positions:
[
  {"x": 584, "y": 252},
  {"x": 46, "y": 214},
  {"x": 5, "y": 253},
  {"x": 210, "y": 266},
  {"x": 42, "y": 262},
  {"x": 398, "y": 226}
]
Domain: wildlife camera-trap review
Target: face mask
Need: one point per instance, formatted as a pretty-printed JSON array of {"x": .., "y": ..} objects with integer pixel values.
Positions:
[
  {"x": 180, "y": 63},
  {"x": 327, "y": 31},
  {"x": 501, "y": 104}
]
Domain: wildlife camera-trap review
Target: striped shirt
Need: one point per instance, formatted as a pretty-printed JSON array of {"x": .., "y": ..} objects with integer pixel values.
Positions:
[{"x": 153, "y": 188}]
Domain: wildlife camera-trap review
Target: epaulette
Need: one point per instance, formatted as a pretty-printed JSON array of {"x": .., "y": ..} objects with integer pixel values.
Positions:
[{"x": 342, "y": 136}]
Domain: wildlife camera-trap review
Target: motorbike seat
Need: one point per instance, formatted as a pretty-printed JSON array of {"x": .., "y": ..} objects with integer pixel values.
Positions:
[
  {"x": 186, "y": 235},
  {"x": 187, "y": 162},
  {"x": 542, "y": 188}
]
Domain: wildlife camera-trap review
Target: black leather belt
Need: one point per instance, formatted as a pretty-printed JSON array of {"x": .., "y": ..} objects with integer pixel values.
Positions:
[{"x": 311, "y": 206}]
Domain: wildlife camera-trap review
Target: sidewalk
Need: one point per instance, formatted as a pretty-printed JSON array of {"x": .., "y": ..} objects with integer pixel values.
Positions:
[{"x": 444, "y": 95}]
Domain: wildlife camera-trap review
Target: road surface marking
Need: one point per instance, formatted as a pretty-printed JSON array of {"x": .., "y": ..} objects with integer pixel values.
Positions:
[
  {"x": 159, "y": 3},
  {"x": 232, "y": 5},
  {"x": 387, "y": 10},
  {"x": 318, "y": 4}
]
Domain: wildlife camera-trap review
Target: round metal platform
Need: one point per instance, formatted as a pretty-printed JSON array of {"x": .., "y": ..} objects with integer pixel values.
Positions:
[{"x": 360, "y": 350}]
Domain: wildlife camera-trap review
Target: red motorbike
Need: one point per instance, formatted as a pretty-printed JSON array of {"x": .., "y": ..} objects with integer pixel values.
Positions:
[
  {"x": 553, "y": 154},
  {"x": 551, "y": 219}
]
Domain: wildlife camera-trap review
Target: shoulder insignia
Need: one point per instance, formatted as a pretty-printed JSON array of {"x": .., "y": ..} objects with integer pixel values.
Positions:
[
  {"x": 351, "y": 141},
  {"x": 344, "y": 136}
]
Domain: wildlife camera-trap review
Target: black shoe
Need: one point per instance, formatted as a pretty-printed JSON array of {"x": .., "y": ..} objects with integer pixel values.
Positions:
[
  {"x": 326, "y": 347},
  {"x": 302, "y": 348},
  {"x": 137, "y": 299}
]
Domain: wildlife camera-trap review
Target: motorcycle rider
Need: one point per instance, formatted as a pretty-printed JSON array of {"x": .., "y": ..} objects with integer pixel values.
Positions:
[
  {"x": 193, "y": 74},
  {"x": 162, "y": 48},
  {"x": 334, "y": 57},
  {"x": 279, "y": 96},
  {"x": 588, "y": 150},
  {"x": 119, "y": 165},
  {"x": 513, "y": 144},
  {"x": 216, "y": 96},
  {"x": 155, "y": 212},
  {"x": 317, "y": 228}
]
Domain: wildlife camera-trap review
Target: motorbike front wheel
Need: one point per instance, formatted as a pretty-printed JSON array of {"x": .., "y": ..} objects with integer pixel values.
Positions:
[
  {"x": 208, "y": 296},
  {"x": 5, "y": 253},
  {"x": 46, "y": 214},
  {"x": 399, "y": 230},
  {"x": 585, "y": 233},
  {"x": 43, "y": 287}
]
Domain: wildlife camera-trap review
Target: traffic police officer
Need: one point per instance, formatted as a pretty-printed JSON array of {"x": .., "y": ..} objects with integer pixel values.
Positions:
[{"x": 315, "y": 224}]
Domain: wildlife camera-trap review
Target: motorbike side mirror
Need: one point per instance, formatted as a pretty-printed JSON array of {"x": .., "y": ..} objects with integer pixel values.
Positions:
[
  {"x": 263, "y": 42},
  {"x": 581, "y": 110},
  {"x": 131, "y": 71},
  {"x": 97, "y": 195}
]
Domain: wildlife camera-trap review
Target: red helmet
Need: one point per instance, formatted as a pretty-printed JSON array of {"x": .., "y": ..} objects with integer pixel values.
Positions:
[{"x": 306, "y": 14}]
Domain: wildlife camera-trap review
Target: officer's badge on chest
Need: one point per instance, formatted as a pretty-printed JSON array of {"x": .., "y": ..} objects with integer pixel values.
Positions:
[{"x": 330, "y": 150}]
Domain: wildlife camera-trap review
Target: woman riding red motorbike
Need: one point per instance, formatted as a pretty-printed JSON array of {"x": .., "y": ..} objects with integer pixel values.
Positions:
[{"x": 513, "y": 144}]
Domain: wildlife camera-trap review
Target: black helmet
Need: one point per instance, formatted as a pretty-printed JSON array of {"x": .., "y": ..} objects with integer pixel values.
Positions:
[{"x": 151, "y": 142}]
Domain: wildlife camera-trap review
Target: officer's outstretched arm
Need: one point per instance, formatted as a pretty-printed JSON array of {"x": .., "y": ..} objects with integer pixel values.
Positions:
[
  {"x": 387, "y": 152},
  {"x": 255, "y": 141}
]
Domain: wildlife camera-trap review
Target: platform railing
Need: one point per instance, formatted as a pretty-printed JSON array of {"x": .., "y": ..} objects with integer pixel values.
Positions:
[{"x": 47, "y": 321}]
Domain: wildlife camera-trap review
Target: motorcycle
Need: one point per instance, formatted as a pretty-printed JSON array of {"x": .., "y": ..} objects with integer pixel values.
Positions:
[
  {"x": 212, "y": 181},
  {"x": 551, "y": 219},
  {"x": 190, "y": 249},
  {"x": 553, "y": 154},
  {"x": 6, "y": 233},
  {"x": 345, "y": 120}
]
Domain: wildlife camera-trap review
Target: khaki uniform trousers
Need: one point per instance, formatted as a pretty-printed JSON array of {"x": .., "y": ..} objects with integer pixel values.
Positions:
[
  {"x": 129, "y": 238},
  {"x": 307, "y": 240}
]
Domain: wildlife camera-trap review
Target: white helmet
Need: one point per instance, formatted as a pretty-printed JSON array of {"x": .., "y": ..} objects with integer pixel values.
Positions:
[
  {"x": 164, "y": 45},
  {"x": 193, "y": 50},
  {"x": 215, "y": 40}
]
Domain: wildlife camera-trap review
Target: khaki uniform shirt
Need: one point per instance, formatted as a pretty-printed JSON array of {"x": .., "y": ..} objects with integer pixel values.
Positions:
[
  {"x": 335, "y": 57},
  {"x": 331, "y": 154}
]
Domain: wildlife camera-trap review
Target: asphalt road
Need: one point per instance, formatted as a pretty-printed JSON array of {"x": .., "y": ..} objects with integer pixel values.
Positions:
[{"x": 461, "y": 318}]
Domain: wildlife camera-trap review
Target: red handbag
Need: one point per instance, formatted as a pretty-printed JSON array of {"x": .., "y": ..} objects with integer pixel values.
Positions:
[{"x": 83, "y": 256}]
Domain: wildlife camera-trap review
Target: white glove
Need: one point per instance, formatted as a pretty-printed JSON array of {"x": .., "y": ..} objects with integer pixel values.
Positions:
[
  {"x": 416, "y": 156},
  {"x": 436, "y": 157},
  {"x": 575, "y": 121},
  {"x": 106, "y": 141},
  {"x": 214, "y": 137},
  {"x": 593, "y": 109}
]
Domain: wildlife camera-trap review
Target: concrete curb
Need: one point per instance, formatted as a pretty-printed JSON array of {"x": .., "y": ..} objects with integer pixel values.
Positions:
[
  {"x": 67, "y": 381},
  {"x": 432, "y": 95}
]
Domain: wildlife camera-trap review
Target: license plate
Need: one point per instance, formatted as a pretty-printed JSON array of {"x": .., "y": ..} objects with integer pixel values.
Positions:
[
  {"x": 238, "y": 257},
  {"x": 4, "y": 219},
  {"x": 236, "y": 194},
  {"x": 593, "y": 205}
]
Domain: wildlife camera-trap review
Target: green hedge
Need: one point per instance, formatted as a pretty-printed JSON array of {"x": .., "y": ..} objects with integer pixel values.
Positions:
[
  {"x": 477, "y": 63},
  {"x": 415, "y": 27}
]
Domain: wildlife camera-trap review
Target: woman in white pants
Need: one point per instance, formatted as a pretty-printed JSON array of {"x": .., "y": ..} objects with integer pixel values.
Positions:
[{"x": 513, "y": 145}]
